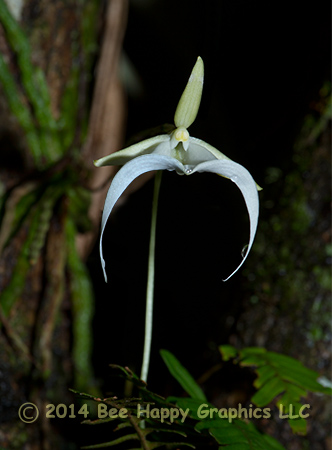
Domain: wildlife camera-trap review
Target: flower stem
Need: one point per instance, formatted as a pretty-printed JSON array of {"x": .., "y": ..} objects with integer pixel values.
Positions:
[{"x": 150, "y": 282}]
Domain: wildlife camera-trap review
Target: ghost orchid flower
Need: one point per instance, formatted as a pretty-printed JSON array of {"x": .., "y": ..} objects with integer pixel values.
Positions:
[{"x": 180, "y": 152}]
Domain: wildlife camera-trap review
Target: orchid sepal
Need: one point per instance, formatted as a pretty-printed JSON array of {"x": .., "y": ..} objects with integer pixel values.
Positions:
[
  {"x": 190, "y": 100},
  {"x": 121, "y": 157}
]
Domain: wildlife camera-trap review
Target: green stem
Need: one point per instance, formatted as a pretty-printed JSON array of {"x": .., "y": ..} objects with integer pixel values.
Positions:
[{"x": 150, "y": 282}]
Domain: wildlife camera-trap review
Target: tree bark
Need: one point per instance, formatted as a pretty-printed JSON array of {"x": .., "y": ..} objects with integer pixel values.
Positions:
[{"x": 51, "y": 200}]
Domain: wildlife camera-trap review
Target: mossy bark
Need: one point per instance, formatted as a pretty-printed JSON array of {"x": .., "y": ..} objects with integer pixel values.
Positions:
[
  {"x": 47, "y": 55},
  {"x": 287, "y": 296}
]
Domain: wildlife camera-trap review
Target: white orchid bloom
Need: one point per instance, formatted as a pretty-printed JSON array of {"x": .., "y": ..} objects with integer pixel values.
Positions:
[{"x": 180, "y": 152}]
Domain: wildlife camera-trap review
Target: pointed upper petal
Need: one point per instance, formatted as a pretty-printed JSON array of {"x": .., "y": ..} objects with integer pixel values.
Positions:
[
  {"x": 141, "y": 148},
  {"x": 244, "y": 181},
  {"x": 190, "y": 100},
  {"x": 125, "y": 176}
]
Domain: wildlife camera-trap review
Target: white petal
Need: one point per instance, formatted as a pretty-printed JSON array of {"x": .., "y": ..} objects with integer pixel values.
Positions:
[
  {"x": 200, "y": 151},
  {"x": 141, "y": 148},
  {"x": 210, "y": 152},
  {"x": 125, "y": 176},
  {"x": 244, "y": 181}
]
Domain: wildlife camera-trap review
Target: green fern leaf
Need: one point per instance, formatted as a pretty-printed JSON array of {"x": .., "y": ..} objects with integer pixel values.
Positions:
[
  {"x": 278, "y": 374},
  {"x": 182, "y": 375},
  {"x": 238, "y": 435}
]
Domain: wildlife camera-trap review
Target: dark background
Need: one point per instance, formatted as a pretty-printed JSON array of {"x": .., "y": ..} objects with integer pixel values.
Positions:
[{"x": 265, "y": 63}]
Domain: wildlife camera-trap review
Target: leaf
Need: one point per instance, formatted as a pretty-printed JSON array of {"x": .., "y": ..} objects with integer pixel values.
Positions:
[
  {"x": 287, "y": 406},
  {"x": 228, "y": 352},
  {"x": 182, "y": 375},
  {"x": 264, "y": 373},
  {"x": 295, "y": 372},
  {"x": 278, "y": 374},
  {"x": 272, "y": 443},
  {"x": 268, "y": 392},
  {"x": 239, "y": 435},
  {"x": 127, "y": 437},
  {"x": 175, "y": 445}
]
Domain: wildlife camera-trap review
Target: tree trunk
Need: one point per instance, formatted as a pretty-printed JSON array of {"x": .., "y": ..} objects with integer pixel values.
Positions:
[{"x": 51, "y": 202}]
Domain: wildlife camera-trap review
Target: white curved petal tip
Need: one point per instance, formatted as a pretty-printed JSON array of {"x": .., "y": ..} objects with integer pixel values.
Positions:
[
  {"x": 127, "y": 174},
  {"x": 103, "y": 265},
  {"x": 244, "y": 181}
]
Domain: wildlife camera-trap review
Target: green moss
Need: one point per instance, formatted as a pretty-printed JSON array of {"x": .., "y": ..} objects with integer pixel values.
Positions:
[
  {"x": 82, "y": 310},
  {"x": 41, "y": 133},
  {"x": 291, "y": 269},
  {"x": 84, "y": 50}
]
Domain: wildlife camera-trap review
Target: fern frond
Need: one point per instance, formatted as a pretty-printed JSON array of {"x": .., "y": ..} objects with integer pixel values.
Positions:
[{"x": 278, "y": 375}]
